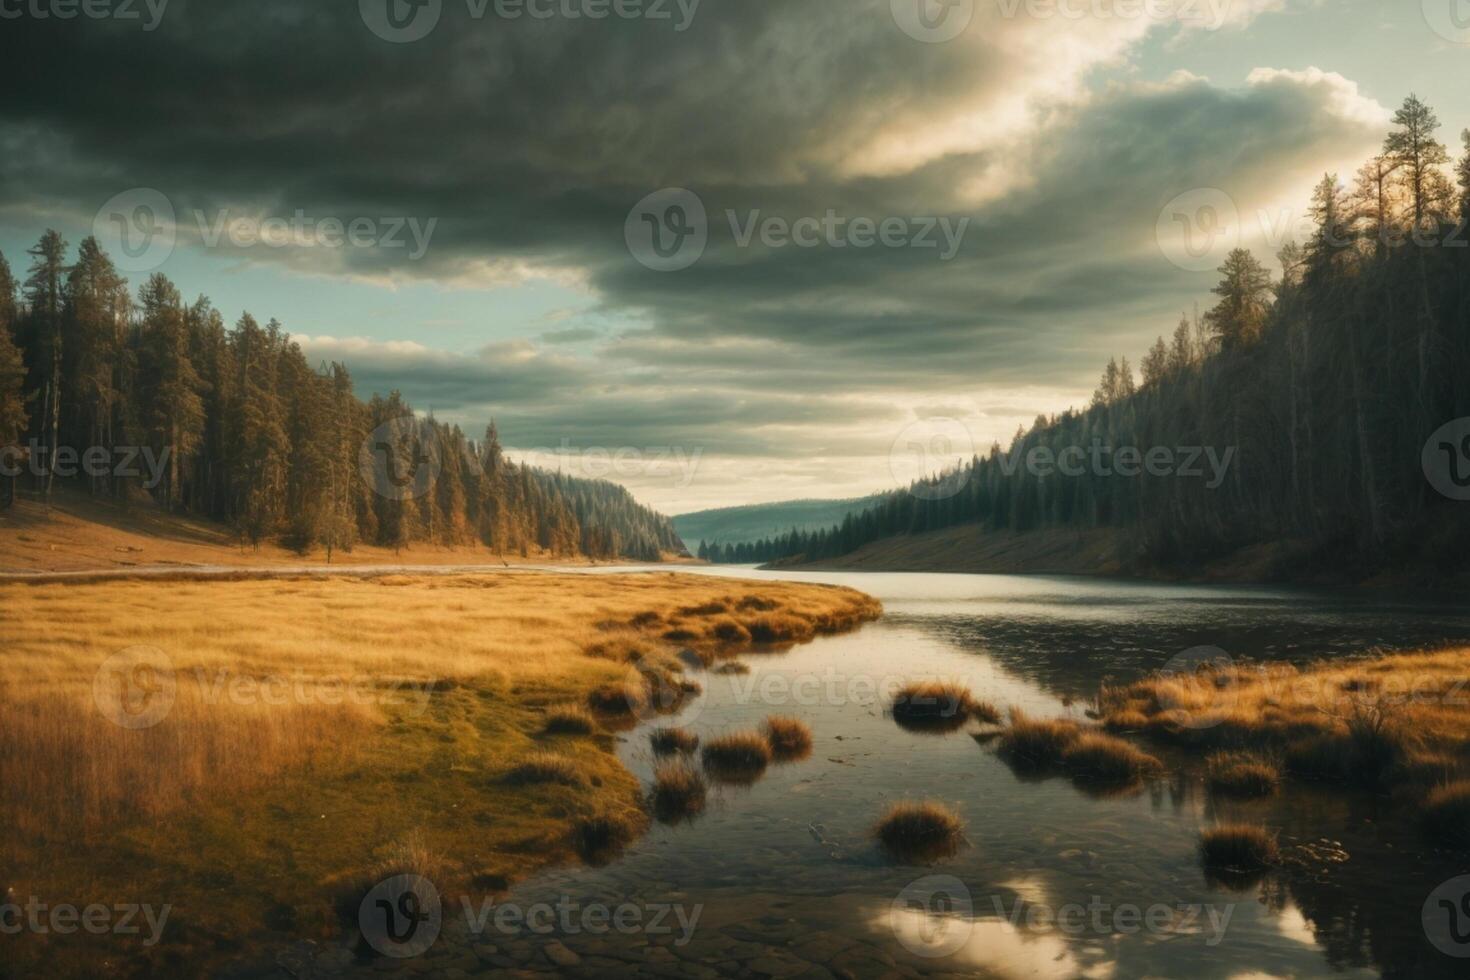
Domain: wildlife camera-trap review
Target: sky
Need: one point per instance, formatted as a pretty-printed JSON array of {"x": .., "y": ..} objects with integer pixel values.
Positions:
[{"x": 720, "y": 251}]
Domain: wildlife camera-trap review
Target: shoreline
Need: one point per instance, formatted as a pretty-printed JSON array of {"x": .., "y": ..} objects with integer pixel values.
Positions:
[{"x": 1103, "y": 553}]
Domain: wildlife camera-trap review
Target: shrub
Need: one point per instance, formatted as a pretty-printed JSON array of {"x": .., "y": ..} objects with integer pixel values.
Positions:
[
  {"x": 616, "y": 699},
  {"x": 1107, "y": 759},
  {"x": 790, "y": 739},
  {"x": 933, "y": 705},
  {"x": 1242, "y": 774},
  {"x": 570, "y": 719},
  {"x": 545, "y": 767},
  {"x": 738, "y": 758},
  {"x": 919, "y": 831},
  {"x": 1239, "y": 847},
  {"x": 668, "y": 741},
  {"x": 1446, "y": 815},
  {"x": 599, "y": 837},
  {"x": 1036, "y": 745},
  {"x": 678, "y": 792}
]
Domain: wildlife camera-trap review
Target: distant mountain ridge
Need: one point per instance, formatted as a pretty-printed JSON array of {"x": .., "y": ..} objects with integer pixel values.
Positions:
[{"x": 754, "y": 522}]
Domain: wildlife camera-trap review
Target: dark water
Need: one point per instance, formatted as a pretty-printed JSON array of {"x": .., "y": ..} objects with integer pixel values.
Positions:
[{"x": 785, "y": 881}]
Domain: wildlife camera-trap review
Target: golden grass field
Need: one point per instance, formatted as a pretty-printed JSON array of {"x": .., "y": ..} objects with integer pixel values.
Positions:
[{"x": 317, "y": 729}]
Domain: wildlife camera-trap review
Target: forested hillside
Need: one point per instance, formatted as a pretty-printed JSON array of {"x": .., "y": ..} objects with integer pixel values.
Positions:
[
  {"x": 756, "y": 522},
  {"x": 1317, "y": 393},
  {"x": 159, "y": 396}
]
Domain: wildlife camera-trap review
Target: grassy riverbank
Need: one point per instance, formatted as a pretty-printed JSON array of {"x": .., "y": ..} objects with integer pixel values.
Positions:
[
  {"x": 1396, "y": 724},
  {"x": 307, "y": 734}
]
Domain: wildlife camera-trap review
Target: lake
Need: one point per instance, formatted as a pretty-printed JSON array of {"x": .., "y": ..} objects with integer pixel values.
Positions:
[{"x": 780, "y": 878}]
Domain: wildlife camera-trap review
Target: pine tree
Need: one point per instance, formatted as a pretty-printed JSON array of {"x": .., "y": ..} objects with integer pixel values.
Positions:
[
  {"x": 173, "y": 411},
  {"x": 1419, "y": 157}
]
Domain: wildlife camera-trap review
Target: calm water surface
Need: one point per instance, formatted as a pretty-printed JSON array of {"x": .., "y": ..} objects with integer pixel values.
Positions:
[{"x": 787, "y": 883}]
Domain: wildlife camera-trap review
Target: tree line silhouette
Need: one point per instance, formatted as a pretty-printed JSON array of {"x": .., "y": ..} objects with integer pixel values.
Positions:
[
  {"x": 1326, "y": 382},
  {"x": 248, "y": 433}
]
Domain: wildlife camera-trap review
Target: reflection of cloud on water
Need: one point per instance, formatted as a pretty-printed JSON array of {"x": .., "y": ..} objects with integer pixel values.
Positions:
[
  {"x": 993, "y": 946},
  {"x": 1294, "y": 926}
]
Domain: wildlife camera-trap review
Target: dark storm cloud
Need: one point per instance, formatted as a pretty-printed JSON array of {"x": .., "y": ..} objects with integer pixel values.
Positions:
[{"x": 530, "y": 140}]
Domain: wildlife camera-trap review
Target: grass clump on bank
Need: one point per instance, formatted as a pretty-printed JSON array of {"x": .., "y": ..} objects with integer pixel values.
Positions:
[
  {"x": 924, "y": 831},
  {"x": 545, "y": 767},
  {"x": 1035, "y": 745},
  {"x": 1105, "y": 758},
  {"x": 570, "y": 719},
  {"x": 672, "y": 741},
  {"x": 1244, "y": 775},
  {"x": 790, "y": 739},
  {"x": 740, "y": 758},
  {"x": 939, "y": 706},
  {"x": 1239, "y": 848},
  {"x": 678, "y": 791}
]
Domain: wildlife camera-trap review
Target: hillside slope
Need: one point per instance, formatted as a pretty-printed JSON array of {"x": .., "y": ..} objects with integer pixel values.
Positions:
[
  {"x": 78, "y": 533},
  {"x": 742, "y": 525}
]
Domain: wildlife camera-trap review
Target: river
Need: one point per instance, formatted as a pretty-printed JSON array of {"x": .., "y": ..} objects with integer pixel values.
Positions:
[{"x": 780, "y": 878}]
